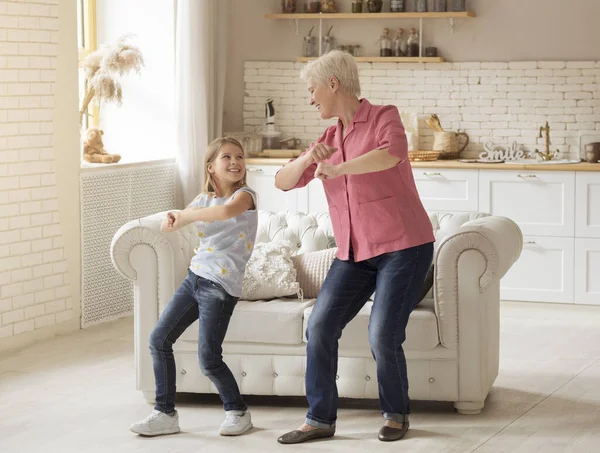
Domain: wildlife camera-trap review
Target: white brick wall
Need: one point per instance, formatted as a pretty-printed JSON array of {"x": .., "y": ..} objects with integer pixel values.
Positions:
[
  {"x": 34, "y": 289},
  {"x": 501, "y": 102}
]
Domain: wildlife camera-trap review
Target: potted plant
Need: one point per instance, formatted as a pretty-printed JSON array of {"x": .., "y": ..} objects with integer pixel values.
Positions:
[{"x": 104, "y": 66}]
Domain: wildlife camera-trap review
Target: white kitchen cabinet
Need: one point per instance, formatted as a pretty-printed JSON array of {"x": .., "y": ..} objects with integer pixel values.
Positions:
[
  {"x": 261, "y": 178},
  {"x": 587, "y": 271},
  {"x": 543, "y": 273},
  {"x": 558, "y": 212},
  {"x": 447, "y": 190},
  {"x": 587, "y": 202},
  {"x": 542, "y": 203}
]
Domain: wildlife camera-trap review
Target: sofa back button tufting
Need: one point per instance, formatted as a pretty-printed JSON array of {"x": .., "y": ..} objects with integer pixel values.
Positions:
[
  {"x": 367, "y": 378},
  {"x": 183, "y": 372},
  {"x": 275, "y": 375},
  {"x": 336, "y": 377},
  {"x": 244, "y": 374},
  {"x": 432, "y": 380}
]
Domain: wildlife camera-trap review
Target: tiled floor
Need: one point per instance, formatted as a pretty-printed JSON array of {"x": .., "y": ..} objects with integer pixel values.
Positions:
[{"x": 76, "y": 394}]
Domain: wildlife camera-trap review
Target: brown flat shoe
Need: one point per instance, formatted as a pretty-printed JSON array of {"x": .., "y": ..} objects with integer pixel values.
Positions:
[
  {"x": 389, "y": 434},
  {"x": 297, "y": 436}
]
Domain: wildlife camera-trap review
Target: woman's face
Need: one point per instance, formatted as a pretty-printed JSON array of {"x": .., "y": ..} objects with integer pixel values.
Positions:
[{"x": 322, "y": 97}]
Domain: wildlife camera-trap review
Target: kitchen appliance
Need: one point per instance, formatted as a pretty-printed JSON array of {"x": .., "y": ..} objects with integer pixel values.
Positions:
[{"x": 270, "y": 136}]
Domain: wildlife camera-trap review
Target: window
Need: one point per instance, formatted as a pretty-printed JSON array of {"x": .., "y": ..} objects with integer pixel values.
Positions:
[{"x": 87, "y": 43}]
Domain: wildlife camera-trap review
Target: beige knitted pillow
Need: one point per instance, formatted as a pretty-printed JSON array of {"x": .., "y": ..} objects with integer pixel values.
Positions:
[{"x": 311, "y": 270}]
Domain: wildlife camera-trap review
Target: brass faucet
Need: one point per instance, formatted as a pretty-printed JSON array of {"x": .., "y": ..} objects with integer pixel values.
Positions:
[{"x": 548, "y": 155}]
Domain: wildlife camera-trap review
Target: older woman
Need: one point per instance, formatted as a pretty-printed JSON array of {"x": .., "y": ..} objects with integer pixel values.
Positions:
[{"x": 384, "y": 238}]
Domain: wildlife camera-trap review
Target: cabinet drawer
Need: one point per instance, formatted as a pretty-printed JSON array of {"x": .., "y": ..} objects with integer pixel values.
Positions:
[
  {"x": 543, "y": 273},
  {"x": 447, "y": 190},
  {"x": 542, "y": 203},
  {"x": 587, "y": 202},
  {"x": 587, "y": 271}
]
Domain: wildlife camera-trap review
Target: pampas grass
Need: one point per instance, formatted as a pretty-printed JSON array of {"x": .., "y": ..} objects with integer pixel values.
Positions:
[{"x": 103, "y": 66}]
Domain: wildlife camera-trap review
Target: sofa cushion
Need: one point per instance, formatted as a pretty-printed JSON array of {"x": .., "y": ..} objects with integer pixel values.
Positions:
[
  {"x": 278, "y": 321},
  {"x": 312, "y": 268},
  {"x": 270, "y": 272},
  {"x": 421, "y": 332}
]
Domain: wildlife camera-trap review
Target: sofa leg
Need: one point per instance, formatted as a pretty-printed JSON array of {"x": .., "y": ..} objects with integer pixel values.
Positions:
[
  {"x": 468, "y": 407},
  {"x": 150, "y": 396}
]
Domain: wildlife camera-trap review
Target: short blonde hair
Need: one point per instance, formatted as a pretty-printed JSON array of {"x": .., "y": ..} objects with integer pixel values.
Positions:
[
  {"x": 211, "y": 154},
  {"x": 338, "y": 64}
]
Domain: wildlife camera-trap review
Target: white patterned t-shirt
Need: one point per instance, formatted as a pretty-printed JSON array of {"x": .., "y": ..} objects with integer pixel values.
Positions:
[{"x": 224, "y": 247}]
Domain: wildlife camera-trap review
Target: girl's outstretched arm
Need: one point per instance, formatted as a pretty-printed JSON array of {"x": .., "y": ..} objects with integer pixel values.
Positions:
[{"x": 239, "y": 204}]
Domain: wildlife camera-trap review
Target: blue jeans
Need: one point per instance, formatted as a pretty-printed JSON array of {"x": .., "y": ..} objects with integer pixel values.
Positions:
[
  {"x": 397, "y": 279},
  {"x": 202, "y": 299}
]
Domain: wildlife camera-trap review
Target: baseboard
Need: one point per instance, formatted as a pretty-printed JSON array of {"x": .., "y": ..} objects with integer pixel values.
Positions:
[{"x": 27, "y": 338}]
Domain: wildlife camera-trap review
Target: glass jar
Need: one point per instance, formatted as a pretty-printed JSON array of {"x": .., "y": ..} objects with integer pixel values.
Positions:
[
  {"x": 270, "y": 140},
  {"x": 399, "y": 47},
  {"x": 309, "y": 49},
  {"x": 397, "y": 6},
  {"x": 353, "y": 49},
  {"x": 374, "y": 6},
  {"x": 413, "y": 43},
  {"x": 459, "y": 5},
  {"x": 439, "y": 6},
  {"x": 288, "y": 6},
  {"x": 357, "y": 7},
  {"x": 328, "y": 6},
  {"x": 312, "y": 6},
  {"x": 327, "y": 44},
  {"x": 431, "y": 52},
  {"x": 385, "y": 44},
  {"x": 421, "y": 6}
]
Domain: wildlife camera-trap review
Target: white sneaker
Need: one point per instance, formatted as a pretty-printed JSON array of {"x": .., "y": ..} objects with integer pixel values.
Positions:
[
  {"x": 236, "y": 423},
  {"x": 157, "y": 424}
]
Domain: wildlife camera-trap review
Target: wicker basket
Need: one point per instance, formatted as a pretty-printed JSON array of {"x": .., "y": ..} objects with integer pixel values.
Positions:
[
  {"x": 451, "y": 156},
  {"x": 423, "y": 156},
  {"x": 447, "y": 143}
]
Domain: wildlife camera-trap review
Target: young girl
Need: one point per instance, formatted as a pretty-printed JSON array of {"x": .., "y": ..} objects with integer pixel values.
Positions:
[{"x": 226, "y": 219}]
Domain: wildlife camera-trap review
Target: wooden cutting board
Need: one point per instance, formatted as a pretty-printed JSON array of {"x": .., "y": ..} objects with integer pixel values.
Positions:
[{"x": 278, "y": 153}]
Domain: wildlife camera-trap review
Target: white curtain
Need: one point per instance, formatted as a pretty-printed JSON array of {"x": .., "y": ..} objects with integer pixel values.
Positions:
[{"x": 200, "y": 57}]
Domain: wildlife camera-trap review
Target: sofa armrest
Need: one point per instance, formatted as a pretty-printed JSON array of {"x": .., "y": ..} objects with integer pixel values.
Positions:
[
  {"x": 498, "y": 239},
  {"x": 156, "y": 262},
  {"x": 174, "y": 248}
]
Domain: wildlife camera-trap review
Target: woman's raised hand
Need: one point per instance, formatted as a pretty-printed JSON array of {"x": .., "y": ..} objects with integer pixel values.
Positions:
[
  {"x": 327, "y": 171},
  {"x": 321, "y": 152}
]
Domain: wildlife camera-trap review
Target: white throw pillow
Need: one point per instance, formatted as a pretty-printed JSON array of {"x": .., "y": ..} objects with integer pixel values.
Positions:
[
  {"x": 312, "y": 268},
  {"x": 270, "y": 272}
]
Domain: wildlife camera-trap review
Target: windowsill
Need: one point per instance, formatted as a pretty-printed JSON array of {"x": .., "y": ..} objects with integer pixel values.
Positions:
[{"x": 89, "y": 167}]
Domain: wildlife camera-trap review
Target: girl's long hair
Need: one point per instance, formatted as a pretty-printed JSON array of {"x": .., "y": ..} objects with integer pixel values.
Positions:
[{"x": 210, "y": 185}]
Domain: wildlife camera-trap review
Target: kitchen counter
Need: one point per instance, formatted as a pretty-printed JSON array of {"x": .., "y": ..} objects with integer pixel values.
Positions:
[{"x": 454, "y": 164}]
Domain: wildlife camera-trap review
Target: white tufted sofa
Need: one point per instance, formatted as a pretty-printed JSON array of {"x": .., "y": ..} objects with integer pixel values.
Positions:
[{"x": 452, "y": 344}]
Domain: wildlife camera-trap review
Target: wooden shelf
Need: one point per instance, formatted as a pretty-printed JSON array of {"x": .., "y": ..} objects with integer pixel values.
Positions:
[
  {"x": 333, "y": 16},
  {"x": 386, "y": 59}
]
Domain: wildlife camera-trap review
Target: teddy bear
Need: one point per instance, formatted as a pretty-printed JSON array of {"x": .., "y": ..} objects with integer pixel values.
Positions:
[{"x": 93, "y": 148}]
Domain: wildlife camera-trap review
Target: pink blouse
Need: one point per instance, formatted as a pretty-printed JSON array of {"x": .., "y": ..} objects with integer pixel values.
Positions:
[{"x": 379, "y": 212}]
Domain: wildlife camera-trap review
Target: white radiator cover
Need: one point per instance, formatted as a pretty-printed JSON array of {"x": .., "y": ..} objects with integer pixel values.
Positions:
[{"x": 110, "y": 197}]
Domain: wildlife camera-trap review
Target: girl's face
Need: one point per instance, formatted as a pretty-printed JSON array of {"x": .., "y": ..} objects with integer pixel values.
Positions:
[
  {"x": 323, "y": 97},
  {"x": 229, "y": 167}
]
